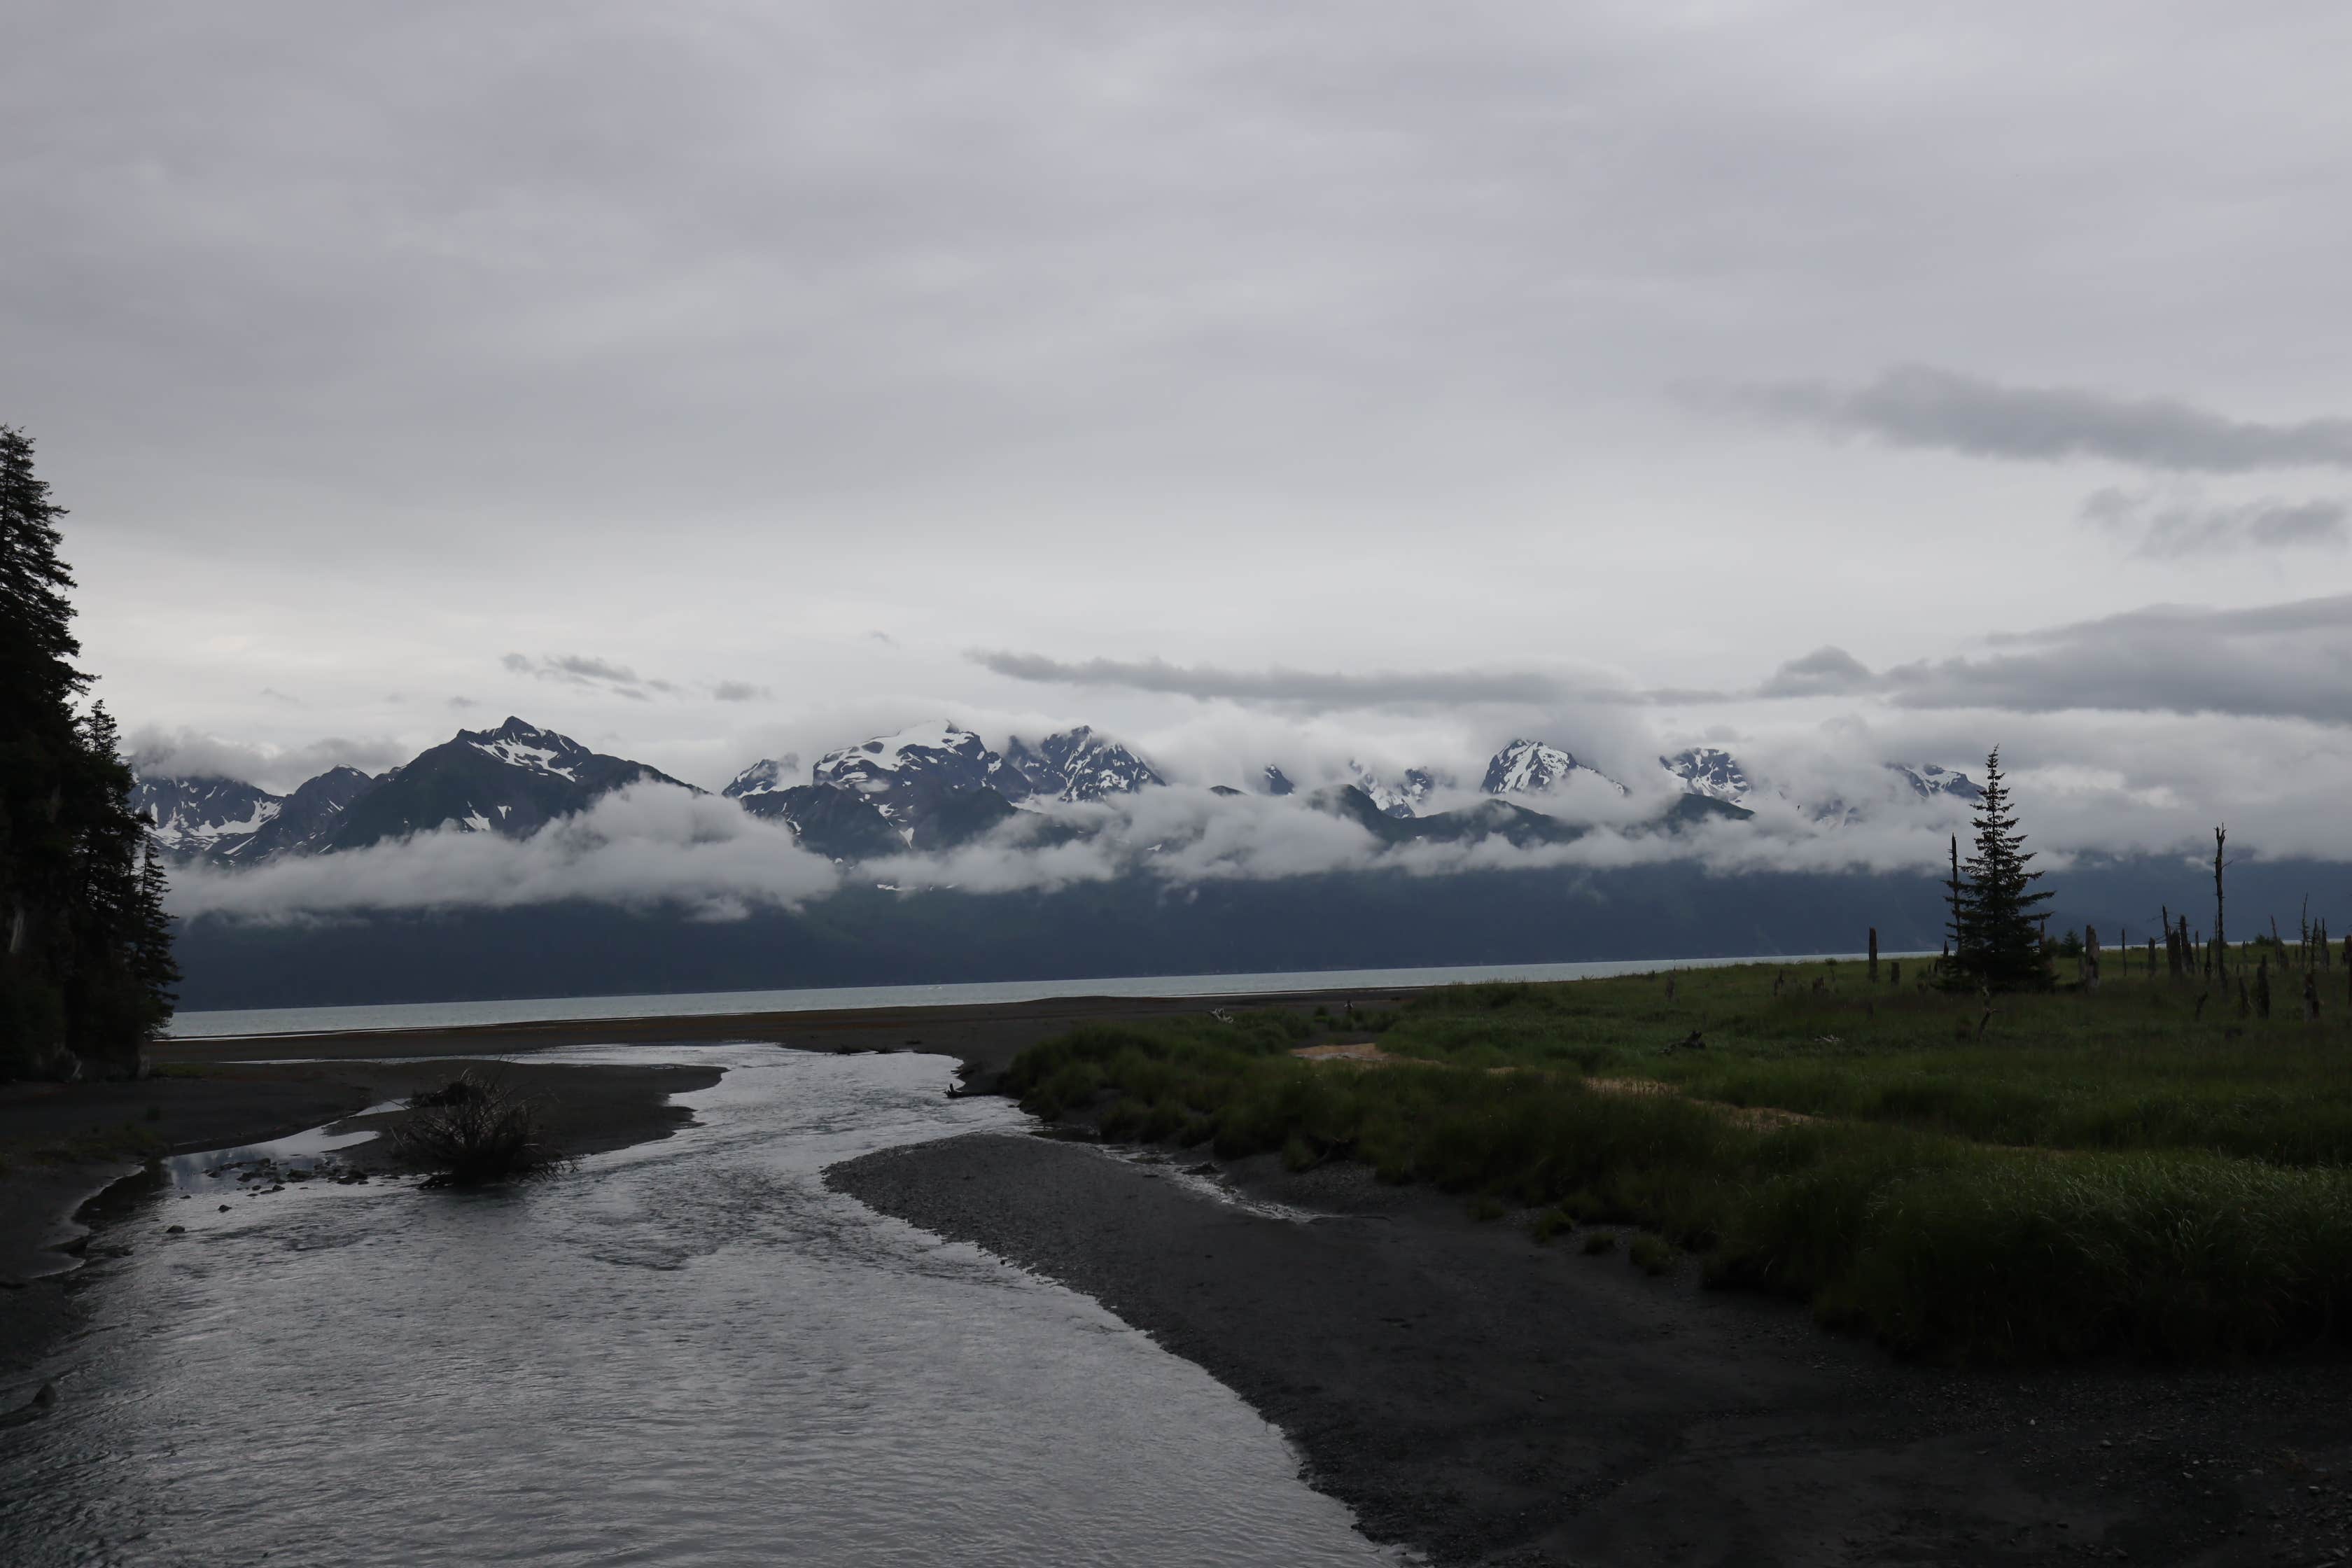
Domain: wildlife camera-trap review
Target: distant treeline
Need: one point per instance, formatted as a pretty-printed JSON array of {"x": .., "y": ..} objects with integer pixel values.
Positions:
[{"x": 87, "y": 970}]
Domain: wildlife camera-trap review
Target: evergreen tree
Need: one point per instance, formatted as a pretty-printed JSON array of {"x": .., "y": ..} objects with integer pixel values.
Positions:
[
  {"x": 1995, "y": 906},
  {"x": 85, "y": 965}
]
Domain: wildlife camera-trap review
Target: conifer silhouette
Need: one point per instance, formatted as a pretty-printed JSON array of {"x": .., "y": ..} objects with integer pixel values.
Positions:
[
  {"x": 1997, "y": 936},
  {"x": 85, "y": 946}
]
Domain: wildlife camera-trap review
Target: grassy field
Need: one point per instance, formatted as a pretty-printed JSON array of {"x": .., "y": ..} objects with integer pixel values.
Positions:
[{"x": 2075, "y": 1174}]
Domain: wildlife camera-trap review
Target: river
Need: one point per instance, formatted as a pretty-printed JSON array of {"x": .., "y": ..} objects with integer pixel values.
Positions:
[{"x": 685, "y": 1352}]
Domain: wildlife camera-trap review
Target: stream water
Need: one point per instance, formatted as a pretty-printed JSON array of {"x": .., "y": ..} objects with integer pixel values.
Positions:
[{"x": 685, "y": 1353}]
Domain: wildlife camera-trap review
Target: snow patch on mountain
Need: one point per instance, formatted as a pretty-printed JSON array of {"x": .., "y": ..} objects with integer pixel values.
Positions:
[
  {"x": 1537, "y": 767},
  {"x": 1929, "y": 782},
  {"x": 523, "y": 745},
  {"x": 908, "y": 774},
  {"x": 1709, "y": 771},
  {"x": 1402, "y": 797},
  {"x": 1074, "y": 765},
  {"x": 765, "y": 776},
  {"x": 197, "y": 815}
]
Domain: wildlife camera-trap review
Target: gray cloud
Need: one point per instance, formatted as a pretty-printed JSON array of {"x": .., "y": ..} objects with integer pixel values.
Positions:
[
  {"x": 1825, "y": 671},
  {"x": 2290, "y": 661},
  {"x": 2166, "y": 528},
  {"x": 1324, "y": 332},
  {"x": 1920, "y": 406},
  {"x": 740, "y": 691},
  {"x": 583, "y": 669},
  {"x": 1324, "y": 689},
  {"x": 191, "y": 753},
  {"x": 651, "y": 846}
]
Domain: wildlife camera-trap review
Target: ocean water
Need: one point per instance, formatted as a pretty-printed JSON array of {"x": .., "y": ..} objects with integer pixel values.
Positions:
[
  {"x": 688, "y": 1353},
  {"x": 721, "y": 1004}
]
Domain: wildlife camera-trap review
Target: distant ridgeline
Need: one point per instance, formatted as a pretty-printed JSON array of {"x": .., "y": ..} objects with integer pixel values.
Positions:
[
  {"x": 938, "y": 787},
  {"x": 86, "y": 969},
  {"x": 864, "y": 936},
  {"x": 933, "y": 787}
]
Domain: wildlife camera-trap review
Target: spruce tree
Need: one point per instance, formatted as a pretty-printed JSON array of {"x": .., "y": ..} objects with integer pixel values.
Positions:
[
  {"x": 1996, "y": 907},
  {"x": 85, "y": 959}
]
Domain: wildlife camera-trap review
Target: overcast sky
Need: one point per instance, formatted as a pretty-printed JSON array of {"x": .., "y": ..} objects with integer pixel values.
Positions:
[{"x": 710, "y": 380}]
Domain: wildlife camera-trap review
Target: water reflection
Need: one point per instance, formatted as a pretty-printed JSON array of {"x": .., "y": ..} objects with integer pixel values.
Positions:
[{"x": 689, "y": 1353}]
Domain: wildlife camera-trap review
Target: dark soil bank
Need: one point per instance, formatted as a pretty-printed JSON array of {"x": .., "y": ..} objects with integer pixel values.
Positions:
[{"x": 1493, "y": 1401}]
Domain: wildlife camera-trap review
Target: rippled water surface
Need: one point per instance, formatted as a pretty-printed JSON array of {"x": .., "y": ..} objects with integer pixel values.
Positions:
[{"x": 685, "y": 1353}]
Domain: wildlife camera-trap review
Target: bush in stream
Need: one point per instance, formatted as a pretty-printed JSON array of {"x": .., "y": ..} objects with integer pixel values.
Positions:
[{"x": 476, "y": 1130}]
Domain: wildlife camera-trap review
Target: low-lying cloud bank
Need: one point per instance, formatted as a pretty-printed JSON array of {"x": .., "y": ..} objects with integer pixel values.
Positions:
[
  {"x": 648, "y": 847},
  {"x": 190, "y": 753},
  {"x": 653, "y": 847}
]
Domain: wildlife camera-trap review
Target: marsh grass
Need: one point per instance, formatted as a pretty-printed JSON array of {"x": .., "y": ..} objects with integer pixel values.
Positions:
[
  {"x": 2099, "y": 1171},
  {"x": 1652, "y": 1255}
]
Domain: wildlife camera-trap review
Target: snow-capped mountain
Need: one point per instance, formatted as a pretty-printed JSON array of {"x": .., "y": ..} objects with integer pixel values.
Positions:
[
  {"x": 195, "y": 817},
  {"x": 1400, "y": 799},
  {"x": 304, "y": 818},
  {"x": 1274, "y": 781},
  {"x": 1533, "y": 767},
  {"x": 1077, "y": 764},
  {"x": 766, "y": 776},
  {"x": 1709, "y": 771},
  {"x": 512, "y": 780},
  {"x": 831, "y": 820},
  {"x": 912, "y": 774},
  {"x": 1929, "y": 782}
]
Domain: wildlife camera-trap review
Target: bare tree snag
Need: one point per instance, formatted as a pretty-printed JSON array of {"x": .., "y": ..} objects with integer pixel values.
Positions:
[{"x": 2220, "y": 936}]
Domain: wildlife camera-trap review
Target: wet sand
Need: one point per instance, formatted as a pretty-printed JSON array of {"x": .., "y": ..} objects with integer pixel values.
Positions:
[{"x": 1490, "y": 1400}]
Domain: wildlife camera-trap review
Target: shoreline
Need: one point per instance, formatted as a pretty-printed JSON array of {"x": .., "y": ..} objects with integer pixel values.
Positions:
[
  {"x": 53, "y": 1210},
  {"x": 224, "y": 1092},
  {"x": 1486, "y": 1399},
  {"x": 984, "y": 1035}
]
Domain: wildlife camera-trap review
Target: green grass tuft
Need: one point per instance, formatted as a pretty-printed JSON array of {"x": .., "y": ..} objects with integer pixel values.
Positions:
[{"x": 1653, "y": 1255}]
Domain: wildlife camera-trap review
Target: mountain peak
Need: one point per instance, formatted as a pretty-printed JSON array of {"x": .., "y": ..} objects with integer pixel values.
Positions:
[
  {"x": 765, "y": 776},
  {"x": 1075, "y": 765},
  {"x": 1709, "y": 771},
  {"x": 1930, "y": 781},
  {"x": 521, "y": 744},
  {"x": 908, "y": 774},
  {"x": 1400, "y": 799},
  {"x": 1537, "y": 767}
]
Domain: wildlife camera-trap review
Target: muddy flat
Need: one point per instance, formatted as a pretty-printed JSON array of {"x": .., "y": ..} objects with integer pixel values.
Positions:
[{"x": 1491, "y": 1400}]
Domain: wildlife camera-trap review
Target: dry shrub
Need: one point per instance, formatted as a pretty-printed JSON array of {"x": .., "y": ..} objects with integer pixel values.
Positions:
[{"x": 476, "y": 1128}]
